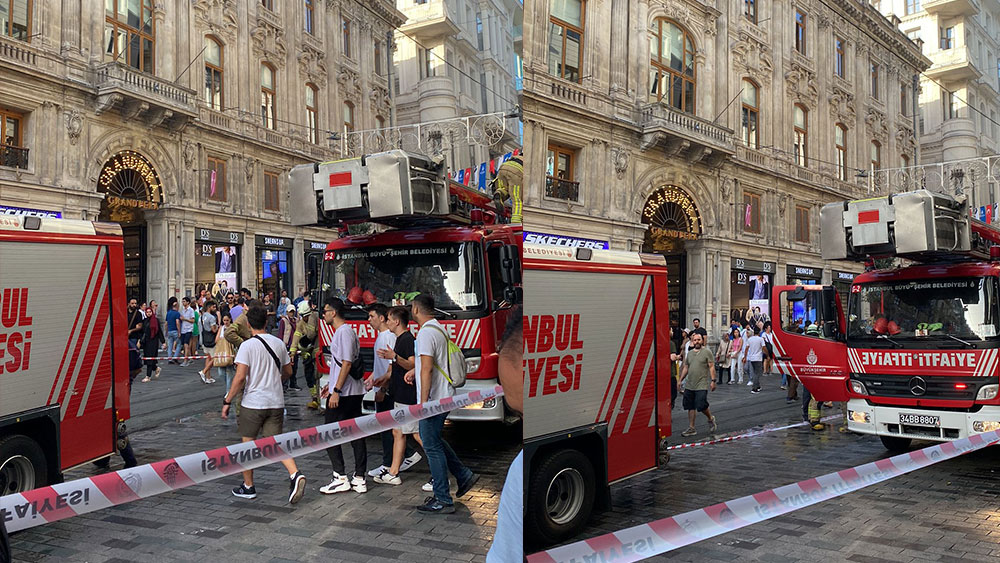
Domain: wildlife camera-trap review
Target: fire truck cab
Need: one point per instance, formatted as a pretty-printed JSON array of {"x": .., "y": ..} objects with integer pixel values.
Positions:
[
  {"x": 442, "y": 238},
  {"x": 914, "y": 350}
]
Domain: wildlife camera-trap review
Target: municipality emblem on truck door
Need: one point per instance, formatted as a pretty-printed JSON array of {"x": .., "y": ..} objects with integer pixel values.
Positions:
[{"x": 812, "y": 358}]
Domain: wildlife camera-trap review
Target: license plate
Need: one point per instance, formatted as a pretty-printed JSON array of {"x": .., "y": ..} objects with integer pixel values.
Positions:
[{"x": 920, "y": 420}]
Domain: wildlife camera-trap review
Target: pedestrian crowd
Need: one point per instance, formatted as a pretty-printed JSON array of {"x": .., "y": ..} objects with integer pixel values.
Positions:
[
  {"x": 255, "y": 345},
  {"x": 744, "y": 353}
]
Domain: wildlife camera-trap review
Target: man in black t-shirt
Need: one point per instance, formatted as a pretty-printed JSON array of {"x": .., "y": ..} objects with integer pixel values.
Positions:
[
  {"x": 698, "y": 329},
  {"x": 402, "y": 393}
]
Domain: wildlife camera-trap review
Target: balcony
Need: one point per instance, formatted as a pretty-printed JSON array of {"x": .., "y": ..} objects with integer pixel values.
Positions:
[
  {"x": 952, "y": 65},
  {"x": 682, "y": 134},
  {"x": 753, "y": 157},
  {"x": 556, "y": 188},
  {"x": 14, "y": 157},
  {"x": 144, "y": 97},
  {"x": 430, "y": 19},
  {"x": 951, "y": 8}
]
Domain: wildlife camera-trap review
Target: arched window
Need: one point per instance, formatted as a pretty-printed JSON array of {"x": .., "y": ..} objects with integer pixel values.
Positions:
[
  {"x": 312, "y": 122},
  {"x": 129, "y": 33},
  {"x": 800, "y": 148},
  {"x": 672, "y": 73},
  {"x": 348, "y": 117},
  {"x": 268, "y": 107},
  {"x": 750, "y": 114},
  {"x": 213, "y": 73},
  {"x": 840, "y": 140}
]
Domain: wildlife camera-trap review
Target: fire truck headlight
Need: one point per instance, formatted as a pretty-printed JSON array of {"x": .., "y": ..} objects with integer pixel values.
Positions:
[
  {"x": 859, "y": 417},
  {"x": 987, "y": 392},
  {"x": 985, "y": 426},
  {"x": 858, "y": 387},
  {"x": 472, "y": 364}
]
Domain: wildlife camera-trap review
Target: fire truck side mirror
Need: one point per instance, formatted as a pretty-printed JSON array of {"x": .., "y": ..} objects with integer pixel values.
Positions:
[{"x": 510, "y": 265}]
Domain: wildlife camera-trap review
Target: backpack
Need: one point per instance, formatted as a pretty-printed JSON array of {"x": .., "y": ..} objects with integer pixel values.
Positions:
[
  {"x": 357, "y": 367},
  {"x": 455, "y": 373}
]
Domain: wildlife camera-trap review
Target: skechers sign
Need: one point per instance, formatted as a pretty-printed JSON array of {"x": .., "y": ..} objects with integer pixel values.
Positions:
[
  {"x": 567, "y": 242},
  {"x": 25, "y": 212}
]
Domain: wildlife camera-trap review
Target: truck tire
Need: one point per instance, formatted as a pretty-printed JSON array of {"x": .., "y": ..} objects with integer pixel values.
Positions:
[
  {"x": 560, "y": 496},
  {"x": 894, "y": 444},
  {"x": 22, "y": 465}
]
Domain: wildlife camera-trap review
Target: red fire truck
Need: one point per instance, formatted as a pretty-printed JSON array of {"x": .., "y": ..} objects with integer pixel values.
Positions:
[
  {"x": 915, "y": 352},
  {"x": 445, "y": 239},
  {"x": 597, "y": 380},
  {"x": 63, "y": 347}
]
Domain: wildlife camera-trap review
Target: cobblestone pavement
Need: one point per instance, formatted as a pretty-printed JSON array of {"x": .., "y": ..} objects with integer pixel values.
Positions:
[
  {"x": 946, "y": 512},
  {"x": 206, "y": 523}
]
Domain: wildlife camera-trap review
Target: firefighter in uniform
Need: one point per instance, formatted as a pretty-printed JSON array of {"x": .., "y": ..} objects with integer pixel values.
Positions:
[
  {"x": 507, "y": 185},
  {"x": 304, "y": 342}
]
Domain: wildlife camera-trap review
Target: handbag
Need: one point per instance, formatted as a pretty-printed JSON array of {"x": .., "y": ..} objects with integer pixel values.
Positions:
[{"x": 224, "y": 355}]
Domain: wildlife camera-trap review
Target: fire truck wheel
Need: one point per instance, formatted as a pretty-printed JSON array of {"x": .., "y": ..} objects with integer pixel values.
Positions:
[
  {"x": 894, "y": 444},
  {"x": 562, "y": 492},
  {"x": 22, "y": 465}
]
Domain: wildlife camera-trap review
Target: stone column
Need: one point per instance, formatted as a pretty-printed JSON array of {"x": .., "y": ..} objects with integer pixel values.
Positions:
[{"x": 620, "y": 43}]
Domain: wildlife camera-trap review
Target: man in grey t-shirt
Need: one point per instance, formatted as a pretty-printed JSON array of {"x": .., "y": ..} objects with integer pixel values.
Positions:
[{"x": 699, "y": 369}]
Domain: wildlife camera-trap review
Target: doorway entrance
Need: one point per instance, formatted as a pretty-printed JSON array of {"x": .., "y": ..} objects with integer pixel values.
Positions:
[
  {"x": 673, "y": 220},
  {"x": 131, "y": 187}
]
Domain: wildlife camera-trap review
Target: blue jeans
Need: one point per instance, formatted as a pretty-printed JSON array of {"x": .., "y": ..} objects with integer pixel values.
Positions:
[
  {"x": 173, "y": 343},
  {"x": 441, "y": 458}
]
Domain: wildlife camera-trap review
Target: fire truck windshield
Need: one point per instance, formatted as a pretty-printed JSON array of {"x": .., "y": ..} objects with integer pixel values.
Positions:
[
  {"x": 915, "y": 313},
  {"x": 451, "y": 272}
]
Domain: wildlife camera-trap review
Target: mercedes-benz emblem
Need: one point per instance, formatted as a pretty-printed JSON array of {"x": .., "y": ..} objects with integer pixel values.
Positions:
[{"x": 918, "y": 386}]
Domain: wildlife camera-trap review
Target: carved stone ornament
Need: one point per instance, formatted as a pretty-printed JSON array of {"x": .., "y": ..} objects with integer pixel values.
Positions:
[
  {"x": 800, "y": 83},
  {"x": 218, "y": 17},
  {"x": 842, "y": 106},
  {"x": 74, "y": 126},
  {"x": 248, "y": 168},
  {"x": 312, "y": 65},
  {"x": 190, "y": 152},
  {"x": 726, "y": 190},
  {"x": 904, "y": 138},
  {"x": 752, "y": 58},
  {"x": 379, "y": 98},
  {"x": 875, "y": 124},
  {"x": 349, "y": 80},
  {"x": 620, "y": 158},
  {"x": 782, "y": 205},
  {"x": 269, "y": 42},
  {"x": 332, "y": 5}
]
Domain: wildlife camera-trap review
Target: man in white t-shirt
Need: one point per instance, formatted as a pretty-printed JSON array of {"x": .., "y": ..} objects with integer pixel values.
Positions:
[
  {"x": 187, "y": 329},
  {"x": 431, "y": 360},
  {"x": 344, "y": 400},
  {"x": 753, "y": 352},
  {"x": 263, "y": 404}
]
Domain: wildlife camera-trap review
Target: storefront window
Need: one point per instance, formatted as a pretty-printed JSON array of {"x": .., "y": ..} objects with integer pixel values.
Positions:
[
  {"x": 750, "y": 296},
  {"x": 273, "y": 272},
  {"x": 216, "y": 268}
]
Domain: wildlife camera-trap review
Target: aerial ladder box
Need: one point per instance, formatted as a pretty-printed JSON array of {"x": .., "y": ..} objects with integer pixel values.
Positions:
[
  {"x": 921, "y": 225},
  {"x": 385, "y": 187}
]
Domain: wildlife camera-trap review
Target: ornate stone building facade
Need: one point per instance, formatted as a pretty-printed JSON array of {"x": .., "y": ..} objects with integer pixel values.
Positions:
[
  {"x": 179, "y": 119},
  {"x": 711, "y": 132}
]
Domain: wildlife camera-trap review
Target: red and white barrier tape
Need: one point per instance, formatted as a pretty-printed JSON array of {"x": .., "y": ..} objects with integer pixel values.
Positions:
[
  {"x": 201, "y": 357},
  {"x": 48, "y": 504},
  {"x": 646, "y": 540},
  {"x": 747, "y": 435}
]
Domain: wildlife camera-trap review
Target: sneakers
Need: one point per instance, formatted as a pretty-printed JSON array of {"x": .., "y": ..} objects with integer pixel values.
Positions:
[
  {"x": 156, "y": 374},
  {"x": 378, "y": 471},
  {"x": 428, "y": 487},
  {"x": 782, "y": 387},
  {"x": 432, "y": 505},
  {"x": 387, "y": 478},
  {"x": 339, "y": 484},
  {"x": 243, "y": 491},
  {"x": 714, "y": 426},
  {"x": 296, "y": 487},
  {"x": 145, "y": 379},
  {"x": 465, "y": 487},
  {"x": 689, "y": 432},
  {"x": 204, "y": 378},
  {"x": 210, "y": 380},
  {"x": 185, "y": 364},
  {"x": 409, "y": 462},
  {"x": 294, "y": 388},
  {"x": 359, "y": 485},
  {"x": 754, "y": 391}
]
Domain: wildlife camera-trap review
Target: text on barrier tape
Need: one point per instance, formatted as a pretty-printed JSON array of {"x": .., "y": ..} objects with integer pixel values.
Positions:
[
  {"x": 646, "y": 540},
  {"x": 48, "y": 504}
]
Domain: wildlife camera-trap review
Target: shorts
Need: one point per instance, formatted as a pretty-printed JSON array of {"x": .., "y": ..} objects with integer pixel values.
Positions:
[
  {"x": 260, "y": 423},
  {"x": 409, "y": 427},
  {"x": 185, "y": 338},
  {"x": 696, "y": 400},
  {"x": 209, "y": 350}
]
